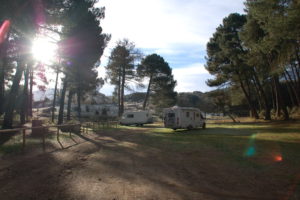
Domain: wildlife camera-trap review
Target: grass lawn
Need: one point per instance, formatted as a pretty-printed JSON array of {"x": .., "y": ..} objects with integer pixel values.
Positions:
[
  {"x": 251, "y": 145},
  {"x": 225, "y": 161}
]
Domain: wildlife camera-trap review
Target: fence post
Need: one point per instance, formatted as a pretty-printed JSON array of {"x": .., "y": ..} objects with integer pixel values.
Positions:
[{"x": 24, "y": 139}]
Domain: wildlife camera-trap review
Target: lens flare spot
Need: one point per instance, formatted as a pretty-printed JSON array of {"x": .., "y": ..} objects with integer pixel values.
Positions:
[
  {"x": 250, "y": 151},
  {"x": 278, "y": 158}
]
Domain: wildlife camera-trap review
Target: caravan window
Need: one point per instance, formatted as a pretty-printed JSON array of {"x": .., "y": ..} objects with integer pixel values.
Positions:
[
  {"x": 187, "y": 114},
  {"x": 171, "y": 115},
  {"x": 197, "y": 115},
  {"x": 130, "y": 116}
]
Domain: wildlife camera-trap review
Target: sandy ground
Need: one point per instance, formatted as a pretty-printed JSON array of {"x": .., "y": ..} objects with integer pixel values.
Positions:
[{"x": 115, "y": 165}]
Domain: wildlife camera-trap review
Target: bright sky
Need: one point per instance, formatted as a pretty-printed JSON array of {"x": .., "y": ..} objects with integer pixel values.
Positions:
[{"x": 175, "y": 29}]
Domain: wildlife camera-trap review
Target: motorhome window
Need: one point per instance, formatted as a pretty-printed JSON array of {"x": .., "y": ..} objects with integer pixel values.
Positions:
[
  {"x": 197, "y": 115},
  {"x": 187, "y": 114},
  {"x": 130, "y": 116},
  {"x": 201, "y": 116},
  {"x": 170, "y": 115}
]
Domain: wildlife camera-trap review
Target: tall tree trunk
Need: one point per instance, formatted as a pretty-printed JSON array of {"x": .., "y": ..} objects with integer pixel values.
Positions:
[
  {"x": 70, "y": 96},
  {"x": 2, "y": 86},
  {"x": 62, "y": 102},
  {"x": 281, "y": 105},
  {"x": 289, "y": 86},
  {"x": 54, "y": 96},
  {"x": 122, "y": 90},
  {"x": 30, "y": 96},
  {"x": 79, "y": 103},
  {"x": 258, "y": 95},
  {"x": 293, "y": 84},
  {"x": 24, "y": 107},
  {"x": 119, "y": 93},
  {"x": 3, "y": 66},
  {"x": 11, "y": 101},
  {"x": 251, "y": 106},
  {"x": 274, "y": 105},
  {"x": 264, "y": 97},
  {"x": 148, "y": 92}
]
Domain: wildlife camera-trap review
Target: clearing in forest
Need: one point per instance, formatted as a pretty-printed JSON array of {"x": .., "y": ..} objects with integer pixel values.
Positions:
[{"x": 224, "y": 161}]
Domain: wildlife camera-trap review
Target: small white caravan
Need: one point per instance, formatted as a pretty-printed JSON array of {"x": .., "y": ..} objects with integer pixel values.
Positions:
[
  {"x": 138, "y": 118},
  {"x": 183, "y": 117}
]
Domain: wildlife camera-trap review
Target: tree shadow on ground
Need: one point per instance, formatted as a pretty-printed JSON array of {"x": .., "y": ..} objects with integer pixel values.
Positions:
[
  {"x": 136, "y": 164},
  {"x": 186, "y": 175},
  {"x": 37, "y": 177}
]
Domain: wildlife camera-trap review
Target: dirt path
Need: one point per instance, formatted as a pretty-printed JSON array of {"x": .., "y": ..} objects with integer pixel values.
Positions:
[{"x": 116, "y": 165}]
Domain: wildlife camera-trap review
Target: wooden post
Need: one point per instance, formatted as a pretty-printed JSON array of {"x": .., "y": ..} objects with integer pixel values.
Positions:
[
  {"x": 24, "y": 139},
  {"x": 44, "y": 144}
]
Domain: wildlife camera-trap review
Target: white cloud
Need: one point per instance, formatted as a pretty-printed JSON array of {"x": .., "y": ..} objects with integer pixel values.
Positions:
[
  {"x": 191, "y": 78},
  {"x": 172, "y": 28},
  {"x": 159, "y": 24}
]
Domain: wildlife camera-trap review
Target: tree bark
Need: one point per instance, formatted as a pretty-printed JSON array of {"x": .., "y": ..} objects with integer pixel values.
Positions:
[
  {"x": 290, "y": 88},
  {"x": 24, "y": 108},
  {"x": 119, "y": 93},
  {"x": 293, "y": 84},
  {"x": 54, "y": 96},
  {"x": 148, "y": 92},
  {"x": 70, "y": 96},
  {"x": 122, "y": 91},
  {"x": 79, "y": 103},
  {"x": 11, "y": 101},
  {"x": 281, "y": 105},
  {"x": 264, "y": 97},
  {"x": 62, "y": 102},
  {"x": 3, "y": 66},
  {"x": 30, "y": 96},
  {"x": 2, "y": 86},
  {"x": 252, "y": 108}
]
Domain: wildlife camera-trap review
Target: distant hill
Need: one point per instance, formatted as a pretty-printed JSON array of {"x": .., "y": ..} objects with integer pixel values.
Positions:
[
  {"x": 42, "y": 95},
  {"x": 135, "y": 100},
  {"x": 185, "y": 99},
  {"x": 90, "y": 98},
  {"x": 196, "y": 99},
  {"x": 137, "y": 97}
]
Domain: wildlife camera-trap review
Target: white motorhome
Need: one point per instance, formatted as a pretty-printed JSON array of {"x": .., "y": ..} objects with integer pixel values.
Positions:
[
  {"x": 183, "y": 117},
  {"x": 138, "y": 118}
]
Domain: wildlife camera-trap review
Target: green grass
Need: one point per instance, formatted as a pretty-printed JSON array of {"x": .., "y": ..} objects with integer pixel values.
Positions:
[{"x": 248, "y": 144}]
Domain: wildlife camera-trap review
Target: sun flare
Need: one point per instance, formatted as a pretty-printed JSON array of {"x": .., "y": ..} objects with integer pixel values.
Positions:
[{"x": 44, "y": 50}]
